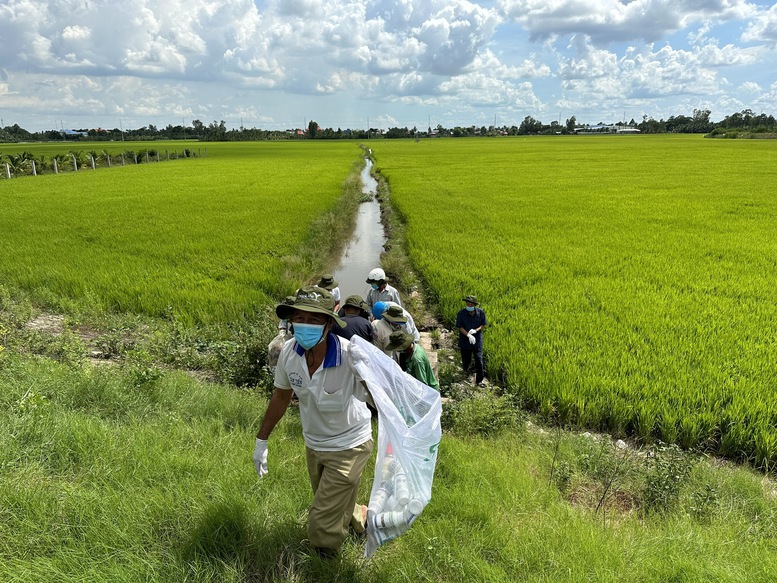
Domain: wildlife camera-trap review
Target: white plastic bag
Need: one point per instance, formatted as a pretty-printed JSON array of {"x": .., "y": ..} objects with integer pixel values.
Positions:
[{"x": 409, "y": 434}]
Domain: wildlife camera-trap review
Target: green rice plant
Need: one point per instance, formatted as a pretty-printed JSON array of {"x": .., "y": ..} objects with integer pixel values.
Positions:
[
  {"x": 209, "y": 241},
  {"x": 629, "y": 283}
]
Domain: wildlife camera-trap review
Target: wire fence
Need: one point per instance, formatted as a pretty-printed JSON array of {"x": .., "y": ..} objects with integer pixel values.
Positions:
[{"x": 29, "y": 164}]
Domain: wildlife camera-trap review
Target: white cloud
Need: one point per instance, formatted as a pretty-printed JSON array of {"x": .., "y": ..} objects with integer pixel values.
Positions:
[
  {"x": 613, "y": 20},
  {"x": 763, "y": 27},
  {"x": 75, "y": 33},
  {"x": 219, "y": 59},
  {"x": 596, "y": 75}
]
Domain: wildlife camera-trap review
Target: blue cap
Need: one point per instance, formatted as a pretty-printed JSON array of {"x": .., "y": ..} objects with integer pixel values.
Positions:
[{"x": 378, "y": 309}]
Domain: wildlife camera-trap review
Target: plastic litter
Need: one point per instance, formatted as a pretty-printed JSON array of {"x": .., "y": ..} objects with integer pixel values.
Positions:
[{"x": 409, "y": 434}]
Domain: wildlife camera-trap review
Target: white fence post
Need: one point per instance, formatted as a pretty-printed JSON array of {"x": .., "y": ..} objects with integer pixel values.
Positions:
[
  {"x": 93, "y": 167},
  {"x": 75, "y": 163},
  {"x": 7, "y": 170},
  {"x": 34, "y": 170},
  {"x": 122, "y": 158},
  {"x": 108, "y": 158},
  {"x": 56, "y": 168}
]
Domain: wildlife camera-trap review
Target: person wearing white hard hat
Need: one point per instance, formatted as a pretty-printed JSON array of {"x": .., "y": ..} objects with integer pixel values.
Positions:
[{"x": 380, "y": 290}]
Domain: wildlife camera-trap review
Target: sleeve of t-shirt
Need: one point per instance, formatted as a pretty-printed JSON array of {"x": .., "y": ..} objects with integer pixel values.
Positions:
[
  {"x": 459, "y": 321},
  {"x": 485, "y": 320},
  {"x": 281, "y": 376}
]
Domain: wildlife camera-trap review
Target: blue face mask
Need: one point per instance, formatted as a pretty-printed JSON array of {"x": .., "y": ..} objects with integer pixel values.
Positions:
[
  {"x": 470, "y": 308},
  {"x": 374, "y": 286},
  {"x": 308, "y": 335}
]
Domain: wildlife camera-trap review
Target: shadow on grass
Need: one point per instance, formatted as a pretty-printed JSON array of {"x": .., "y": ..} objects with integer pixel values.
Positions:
[{"x": 225, "y": 539}]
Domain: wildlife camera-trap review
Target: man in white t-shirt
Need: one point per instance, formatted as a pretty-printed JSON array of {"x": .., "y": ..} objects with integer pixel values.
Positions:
[{"x": 316, "y": 366}]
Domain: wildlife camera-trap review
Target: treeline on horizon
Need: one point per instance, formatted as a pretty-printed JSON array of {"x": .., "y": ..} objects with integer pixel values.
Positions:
[{"x": 740, "y": 124}]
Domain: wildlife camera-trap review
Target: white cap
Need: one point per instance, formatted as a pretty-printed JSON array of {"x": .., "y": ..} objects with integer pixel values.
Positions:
[
  {"x": 376, "y": 274},
  {"x": 415, "y": 506}
]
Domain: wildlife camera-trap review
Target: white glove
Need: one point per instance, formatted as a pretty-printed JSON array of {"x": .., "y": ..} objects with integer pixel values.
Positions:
[
  {"x": 260, "y": 457},
  {"x": 472, "y": 332},
  {"x": 471, "y": 337}
]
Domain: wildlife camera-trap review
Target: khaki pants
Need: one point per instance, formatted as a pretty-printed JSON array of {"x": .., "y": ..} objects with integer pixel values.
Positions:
[{"x": 335, "y": 477}]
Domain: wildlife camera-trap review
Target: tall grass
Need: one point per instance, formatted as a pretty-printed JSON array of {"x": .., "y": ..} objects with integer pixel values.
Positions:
[
  {"x": 628, "y": 279},
  {"x": 112, "y": 475}
]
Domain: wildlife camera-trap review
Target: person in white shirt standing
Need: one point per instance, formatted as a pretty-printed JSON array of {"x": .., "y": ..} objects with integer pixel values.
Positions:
[
  {"x": 316, "y": 366},
  {"x": 380, "y": 290}
]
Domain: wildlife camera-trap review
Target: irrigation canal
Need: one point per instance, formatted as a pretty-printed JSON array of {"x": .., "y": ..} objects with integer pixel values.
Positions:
[{"x": 362, "y": 254}]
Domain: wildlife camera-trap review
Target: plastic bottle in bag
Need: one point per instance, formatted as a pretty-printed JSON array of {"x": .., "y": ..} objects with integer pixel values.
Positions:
[
  {"x": 401, "y": 488},
  {"x": 378, "y": 503},
  {"x": 415, "y": 506}
]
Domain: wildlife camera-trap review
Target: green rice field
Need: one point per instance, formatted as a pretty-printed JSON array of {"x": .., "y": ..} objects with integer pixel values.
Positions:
[
  {"x": 629, "y": 280},
  {"x": 209, "y": 239}
]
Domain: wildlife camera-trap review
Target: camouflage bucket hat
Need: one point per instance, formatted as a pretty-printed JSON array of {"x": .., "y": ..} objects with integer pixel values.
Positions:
[
  {"x": 399, "y": 340},
  {"x": 395, "y": 314},
  {"x": 356, "y": 301},
  {"x": 310, "y": 298},
  {"x": 327, "y": 282},
  {"x": 470, "y": 300}
]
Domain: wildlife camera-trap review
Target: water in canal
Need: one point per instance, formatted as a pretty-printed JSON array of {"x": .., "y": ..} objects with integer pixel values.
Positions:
[{"x": 363, "y": 251}]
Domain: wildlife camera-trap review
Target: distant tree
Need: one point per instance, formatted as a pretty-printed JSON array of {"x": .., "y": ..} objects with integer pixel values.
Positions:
[
  {"x": 18, "y": 132},
  {"x": 529, "y": 125},
  {"x": 571, "y": 123},
  {"x": 679, "y": 124},
  {"x": 701, "y": 121},
  {"x": 397, "y": 133},
  {"x": 312, "y": 129}
]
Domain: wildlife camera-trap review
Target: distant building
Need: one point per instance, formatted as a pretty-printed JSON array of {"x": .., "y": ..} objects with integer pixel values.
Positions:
[{"x": 606, "y": 129}]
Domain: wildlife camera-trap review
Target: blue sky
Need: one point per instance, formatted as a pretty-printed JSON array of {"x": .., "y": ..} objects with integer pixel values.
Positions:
[{"x": 277, "y": 64}]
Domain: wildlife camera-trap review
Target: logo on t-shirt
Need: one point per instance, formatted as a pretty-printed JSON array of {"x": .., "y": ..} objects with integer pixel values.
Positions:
[{"x": 295, "y": 380}]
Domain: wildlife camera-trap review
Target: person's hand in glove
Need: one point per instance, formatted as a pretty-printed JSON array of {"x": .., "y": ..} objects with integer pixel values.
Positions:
[
  {"x": 471, "y": 337},
  {"x": 472, "y": 332},
  {"x": 260, "y": 457}
]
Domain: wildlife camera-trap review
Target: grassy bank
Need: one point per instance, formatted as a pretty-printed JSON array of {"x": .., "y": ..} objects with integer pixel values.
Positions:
[{"x": 131, "y": 474}]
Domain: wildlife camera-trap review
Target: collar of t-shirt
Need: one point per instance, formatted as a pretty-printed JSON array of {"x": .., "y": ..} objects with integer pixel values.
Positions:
[{"x": 334, "y": 353}]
